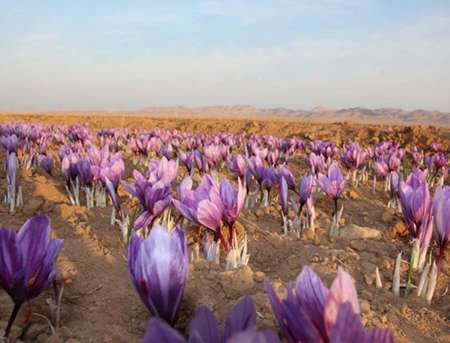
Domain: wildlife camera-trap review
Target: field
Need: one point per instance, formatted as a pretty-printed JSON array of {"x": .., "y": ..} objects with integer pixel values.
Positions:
[{"x": 100, "y": 304}]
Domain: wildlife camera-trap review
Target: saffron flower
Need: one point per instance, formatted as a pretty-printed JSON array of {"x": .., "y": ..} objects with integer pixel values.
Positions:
[
  {"x": 415, "y": 201},
  {"x": 441, "y": 215},
  {"x": 113, "y": 169},
  {"x": 84, "y": 172},
  {"x": 240, "y": 327},
  {"x": 154, "y": 199},
  {"x": 158, "y": 266},
  {"x": 163, "y": 170},
  {"x": 13, "y": 192},
  {"x": 188, "y": 201},
  {"x": 27, "y": 262},
  {"x": 314, "y": 313},
  {"x": 353, "y": 156},
  {"x": 332, "y": 184},
  {"x": 306, "y": 188},
  {"x": 287, "y": 174},
  {"x": 46, "y": 163},
  {"x": 283, "y": 195},
  {"x": 10, "y": 143},
  {"x": 381, "y": 168},
  {"x": 238, "y": 166},
  {"x": 212, "y": 205},
  {"x": 232, "y": 203},
  {"x": 316, "y": 163},
  {"x": 187, "y": 159}
]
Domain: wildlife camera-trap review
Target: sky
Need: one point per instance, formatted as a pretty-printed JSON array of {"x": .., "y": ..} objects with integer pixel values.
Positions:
[{"x": 127, "y": 55}]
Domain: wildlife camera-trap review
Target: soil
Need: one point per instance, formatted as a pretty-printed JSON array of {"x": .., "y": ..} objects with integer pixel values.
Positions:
[{"x": 99, "y": 302}]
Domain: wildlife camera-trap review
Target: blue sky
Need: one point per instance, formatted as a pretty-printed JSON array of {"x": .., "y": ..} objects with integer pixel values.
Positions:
[{"x": 125, "y": 55}]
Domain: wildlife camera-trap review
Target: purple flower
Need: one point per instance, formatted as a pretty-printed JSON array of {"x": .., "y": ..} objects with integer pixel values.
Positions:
[
  {"x": 396, "y": 180},
  {"x": 441, "y": 215},
  {"x": 417, "y": 157},
  {"x": 381, "y": 168},
  {"x": 306, "y": 188},
  {"x": 113, "y": 194},
  {"x": 333, "y": 184},
  {"x": 270, "y": 178},
  {"x": 232, "y": 201},
  {"x": 167, "y": 151},
  {"x": 153, "y": 199},
  {"x": 188, "y": 160},
  {"x": 64, "y": 151},
  {"x": 415, "y": 201},
  {"x": 69, "y": 167},
  {"x": 11, "y": 143},
  {"x": 188, "y": 201},
  {"x": 284, "y": 196},
  {"x": 211, "y": 205},
  {"x": 158, "y": 267},
  {"x": 212, "y": 154},
  {"x": 240, "y": 327},
  {"x": 12, "y": 170},
  {"x": 395, "y": 160},
  {"x": 210, "y": 211},
  {"x": 27, "y": 261},
  {"x": 316, "y": 163},
  {"x": 200, "y": 162},
  {"x": 84, "y": 172},
  {"x": 326, "y": 149},
  {"x": 314, "y": 313},
  {"x": 273, "y": 156},
  {"x": 354, "y": 156},
  {"x": 97, "y": 157},
  {"x": 238, "y": 166},
  {"x": 163, "y": 170},
  {"x": 257, "y": 168},
  {"x": 46, "y": 163},
  {"x": 113, "y": 169},
  {"x": 286, "y": 173},
  {"x": 439, "y": 161}
]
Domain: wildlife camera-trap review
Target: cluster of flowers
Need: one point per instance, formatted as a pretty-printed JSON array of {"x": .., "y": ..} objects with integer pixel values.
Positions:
[
  {"x": 181, "y": 177},
  {"x": 159, "y": 264},
  {"x": 27, "y": 262}
]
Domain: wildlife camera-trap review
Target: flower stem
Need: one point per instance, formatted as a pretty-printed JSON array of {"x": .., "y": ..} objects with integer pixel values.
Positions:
[{"x": 12, "y": 318}]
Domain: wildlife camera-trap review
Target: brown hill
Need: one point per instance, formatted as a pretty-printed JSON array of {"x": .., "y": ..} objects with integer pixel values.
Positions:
[{"x": 318, "y": 114}]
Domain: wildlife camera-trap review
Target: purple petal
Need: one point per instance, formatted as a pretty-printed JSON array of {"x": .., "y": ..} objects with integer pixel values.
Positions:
[
  {"x": 348, "y": 327},
  {"x": 143, "y": 220},
  {"x": 45, "y": 275},
  {"x": 441, "y": 214},
  {"x": 293, "y": 321},
  {"x": 158, "y": 268},
  {"x": 209, "y": 215},
  {"x": 241, "y": 318},
  {"x": 341, "y": 291},
  {"x": 312, "y": 295},
  {"x": 112, "y": 193},
  {"x": 185, "y": 211},
  {"x": 204, "y": 325},
  {"x": 253, "y": 336},
  {"x": 159, "y": 332},
  {"x": 10, "y": 258},
  {"x": 284, "y": 195},
  {"x": 33, "y": 240}
]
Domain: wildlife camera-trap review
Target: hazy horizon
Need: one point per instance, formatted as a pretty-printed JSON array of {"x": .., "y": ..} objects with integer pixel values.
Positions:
[
  {"x": 205, "y": 107},
  {"x": 110, "y": 56}
]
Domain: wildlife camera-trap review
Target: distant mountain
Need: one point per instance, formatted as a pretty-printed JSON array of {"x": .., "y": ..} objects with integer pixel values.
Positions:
[{"x": 317, "y": 114}]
